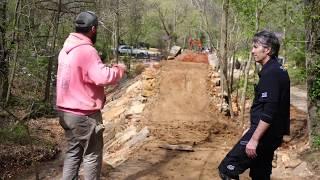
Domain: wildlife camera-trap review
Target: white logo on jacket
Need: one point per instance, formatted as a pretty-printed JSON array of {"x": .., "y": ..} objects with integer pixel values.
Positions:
[
  {"x": 264, "y": 95},
  {"x": 230, "y": 167}
]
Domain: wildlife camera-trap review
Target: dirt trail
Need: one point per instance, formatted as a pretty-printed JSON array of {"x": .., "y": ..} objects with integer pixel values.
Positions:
[
  {"x": 298, "y": 98},
  {"x": 180, "y": 114}
]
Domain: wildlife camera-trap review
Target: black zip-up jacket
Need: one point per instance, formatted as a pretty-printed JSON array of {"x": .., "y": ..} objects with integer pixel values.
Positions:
[{"x": 271, "y": 103}]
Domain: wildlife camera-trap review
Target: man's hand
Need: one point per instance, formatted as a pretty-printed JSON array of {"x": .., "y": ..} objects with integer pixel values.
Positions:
[
  {"x": 122, "y": 67},
  {"x": 251, "y": 148}
]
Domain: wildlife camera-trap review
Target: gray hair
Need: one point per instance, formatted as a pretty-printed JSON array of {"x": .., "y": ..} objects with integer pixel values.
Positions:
[{"x": 268, "y": 40}]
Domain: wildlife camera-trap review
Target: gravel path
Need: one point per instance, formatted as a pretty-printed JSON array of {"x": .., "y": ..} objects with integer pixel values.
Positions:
[{"x": 298, "y": 98}]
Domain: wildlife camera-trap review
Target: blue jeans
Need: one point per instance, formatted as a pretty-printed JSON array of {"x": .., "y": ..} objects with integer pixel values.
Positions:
[{"x": 85, "y": 144}]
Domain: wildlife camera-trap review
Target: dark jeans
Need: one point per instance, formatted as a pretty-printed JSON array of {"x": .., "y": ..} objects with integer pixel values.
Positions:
[
  {"x": 237, "y": 161},
  {"x": 85, "y": 143}
]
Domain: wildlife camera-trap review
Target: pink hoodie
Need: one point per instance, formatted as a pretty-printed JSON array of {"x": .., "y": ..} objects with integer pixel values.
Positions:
[{"x": 81, "y": 76}]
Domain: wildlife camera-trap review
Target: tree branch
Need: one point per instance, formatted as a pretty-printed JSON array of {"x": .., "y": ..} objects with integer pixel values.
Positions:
[{"x": 162, "y": 22}]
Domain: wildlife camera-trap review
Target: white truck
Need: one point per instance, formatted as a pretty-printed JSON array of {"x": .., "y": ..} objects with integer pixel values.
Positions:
[{"x": 127, "y": 50}]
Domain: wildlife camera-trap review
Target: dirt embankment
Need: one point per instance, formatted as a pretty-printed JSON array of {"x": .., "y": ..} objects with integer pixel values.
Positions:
[
  {"x": 189, "y": 56},
  {"x": 181, "y": 113}
]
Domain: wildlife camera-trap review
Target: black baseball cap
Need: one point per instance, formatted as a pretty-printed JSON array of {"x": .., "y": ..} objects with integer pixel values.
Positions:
[{"x": 86, "y": 19}]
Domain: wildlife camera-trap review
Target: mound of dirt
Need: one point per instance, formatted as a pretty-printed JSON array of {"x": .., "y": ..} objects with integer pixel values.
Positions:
[
  {"x": 180, "y": 114},
  {"x": 190, "y": 56}
]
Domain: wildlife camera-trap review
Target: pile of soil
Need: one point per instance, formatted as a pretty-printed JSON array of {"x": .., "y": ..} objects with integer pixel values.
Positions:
[
  {"x": 190, "y": 56},
  {"x": 180, "y": 114}
]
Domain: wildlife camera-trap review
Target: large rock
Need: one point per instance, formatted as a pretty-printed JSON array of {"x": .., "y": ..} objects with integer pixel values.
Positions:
[
  {"x": 112, "y": 113},
  {"x": 302, "y": 170},
  {"x": 136, "y": 108},
  {"x": 149, "y": 85},
  {"x": 216, "y": 81},
  {"x": 134, "y": 88},
  {"x": 175, "y": 50},
  {"x": 149, "y": 82},
  {"x": 149, "y": 73},
  {"x": 109, "y": 133},
  {"x": 290, "y": 161},
  {"x": 293, "y": 163},
  {"x": 121, "y": 136},
  {"x": 138, "y": 138},
  {"x": 214, "y": 62},
  {"x": 147, "y": 93},
  {"x": 127, "y": 143}
]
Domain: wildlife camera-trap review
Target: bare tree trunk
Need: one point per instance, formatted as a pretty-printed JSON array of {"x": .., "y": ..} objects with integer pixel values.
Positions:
[
  {"x": 285, "y": 32},
  {"x": 232, "y": 70},
  {"x": 258, "y": 11},
  {"x": 257, "y": 15},
  {"x": 243, "y": 95},
  {"x": 175, "y": 16},
  {"x": 52, "y": 56},
  {"x": 238, "y": 85},
  {"x": 114, "y": 40},
  {"x": 219, "y": 54},
  {"x": 15, "y": 38},
  {"x": 204, "y": 16},
  {"x": 117, "y": 38},
  {"x": 166, "y": 29},
  {"x": 225, "y": 55},
  {"x": 233, "y": 48},
  {"x": 312, "y": 26},
  {"x": 4, "y": 65}
]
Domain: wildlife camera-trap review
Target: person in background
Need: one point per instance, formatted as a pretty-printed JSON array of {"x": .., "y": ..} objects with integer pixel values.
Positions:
[
  {"x": 80, "y": 95},
  {"x": 269, "y": 115}
]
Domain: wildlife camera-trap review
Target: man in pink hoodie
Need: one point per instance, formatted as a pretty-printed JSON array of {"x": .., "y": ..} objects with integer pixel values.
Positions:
[{"x": 80, "y": 97}]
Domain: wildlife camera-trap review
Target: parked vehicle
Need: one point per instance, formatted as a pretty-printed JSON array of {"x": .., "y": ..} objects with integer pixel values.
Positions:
[
  {"x": 127, "y": 50},
  {"x": 124, "y": 49}
]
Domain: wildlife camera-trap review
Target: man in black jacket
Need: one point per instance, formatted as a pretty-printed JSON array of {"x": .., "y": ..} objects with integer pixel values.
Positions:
[{"x": 269, "y": 115}]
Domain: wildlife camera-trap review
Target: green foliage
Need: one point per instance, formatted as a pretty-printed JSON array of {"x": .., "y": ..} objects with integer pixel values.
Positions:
[
  {"x": 250, "y": 88},
  {"x": 245, "y": 10},
  {"x": 17, "y": 134},
  {"x": 202, "y": 37},
  {"x": 40, "y": 109},
  {"x": 298, "y": 58},
  {"x": 36, "y": 108},
  {"x": 104, "y": 51},
  {"x": 127, "y": 61},
  {"x": 181, "y": 19},
  {"x": 297, "y": 75},
  {"x": 314, "y": 72},
  {"x": 315, "y": 90},
  {"x": 140, "y": 22},
  {"x": 316, "y": 141}
]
